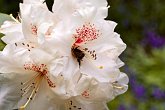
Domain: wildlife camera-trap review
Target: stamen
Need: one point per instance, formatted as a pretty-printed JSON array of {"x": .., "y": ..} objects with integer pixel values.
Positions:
[
  {"x": 90, "y": 53},
  {"x": 83, "y": 35},
  {"x": 69, "y": 105},
  {"x": 14, "y": 18},
  {"x": 51, "y": 84},
  {"x": 32, "y": 95},
  {"x": 117, "y": 86},
  {"x": 30, "y": 80},
  {"x": 32, "y": 86},
  {"x": 25, "y": 45}
]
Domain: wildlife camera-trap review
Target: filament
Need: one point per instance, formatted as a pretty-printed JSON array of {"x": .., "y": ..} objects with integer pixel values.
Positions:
[{"x": 34, "y": 91}]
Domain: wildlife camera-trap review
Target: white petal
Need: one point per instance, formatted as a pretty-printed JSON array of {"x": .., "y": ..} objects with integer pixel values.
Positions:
[
  {"x": 61, "y": 40},
  {"x": 10, "y": 89},
  {"x": 96, "y": 91},
  {"x": 39, "y": 56},
  {"x": 43, "y": 99},
  {"x": 66, "y": 8},
  {"x": 10, "y": 26},
  {"x": 97, "y": 3},
  {"x": 108, "y": 42},
  {"x": 121, "y": 85},
  {"x": 10, "y": 63},
  {"x": 87, "y": 14},
  {"x": 101, "y": 9},
  {"x": 65, "y": 66},
  {"x": 11, "y": 38},
  {"x": 123, "y": 79},
  {"x": 103, "y": 69},
  {"x": 8, "y": 99},
  {"x": 75, "y": 103},
  {"x": 12, "y": 31}
]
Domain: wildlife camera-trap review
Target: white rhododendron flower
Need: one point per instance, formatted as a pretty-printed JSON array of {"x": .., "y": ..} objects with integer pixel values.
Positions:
[
  {"x": 90, "y": 42},
  {"x": 29, "y": 80},
  {"x": 67, "y": 59}
]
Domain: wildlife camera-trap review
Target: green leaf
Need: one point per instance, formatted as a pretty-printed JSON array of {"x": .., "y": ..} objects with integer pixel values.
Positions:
[
  {"x": 4, "y": 17},
  {"x": 2, "y": 44}
]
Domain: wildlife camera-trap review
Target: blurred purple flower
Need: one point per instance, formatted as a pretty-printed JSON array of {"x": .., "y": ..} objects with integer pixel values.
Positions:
[
  {"x": 131, "y": 74},
  {"x": 154, "y": 40},
  {"x": 139, "y": 91},
  {"x": 121, "y": 107},
  {"x": 158, "y": 93},
  {"x": 132, "y": 107},
  {"x": 132, "y": 81}
]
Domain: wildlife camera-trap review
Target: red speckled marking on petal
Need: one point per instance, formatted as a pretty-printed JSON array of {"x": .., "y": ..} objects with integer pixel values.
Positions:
[{"x": 86, "y": 33}]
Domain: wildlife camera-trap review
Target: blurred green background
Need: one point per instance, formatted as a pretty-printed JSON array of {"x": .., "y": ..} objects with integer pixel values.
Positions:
[{"x": 141, "y": 24}]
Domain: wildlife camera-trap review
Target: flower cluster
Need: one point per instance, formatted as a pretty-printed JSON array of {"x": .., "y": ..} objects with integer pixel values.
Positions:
[{"x": 66, "y": 59}]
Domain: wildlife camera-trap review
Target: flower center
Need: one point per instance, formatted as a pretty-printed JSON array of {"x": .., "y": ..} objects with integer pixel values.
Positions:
[
  {"x": 79, "y": 53},
  {"x": 31, "y": 87},
  {"x": 84, "y": 34}
]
